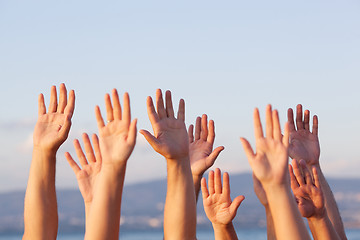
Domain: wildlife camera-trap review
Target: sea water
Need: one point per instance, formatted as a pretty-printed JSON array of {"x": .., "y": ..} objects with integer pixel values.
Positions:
[{"x": 251, "y": 234}]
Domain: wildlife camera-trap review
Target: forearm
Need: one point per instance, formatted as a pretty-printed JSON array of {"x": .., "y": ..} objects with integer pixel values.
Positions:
[
  {"x": 331, "y": 206},
  {"x": 270, "y": 230},
  {"x": 196, "y": 182},
  {"x": 40, "y": 207},
  {"x": 322, "y": 228},
  {"x": 287, "y": 220},
  {"x": 103, "y": 219},
  {"x": 224, "y": 232},
  {"x": 180, "y": 204}
]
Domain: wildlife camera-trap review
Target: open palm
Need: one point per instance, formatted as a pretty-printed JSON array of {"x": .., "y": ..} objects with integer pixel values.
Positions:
[{"x": 303, "y": 143}]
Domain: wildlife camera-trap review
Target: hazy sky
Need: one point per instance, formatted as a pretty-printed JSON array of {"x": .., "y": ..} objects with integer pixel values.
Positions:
[{"x": 223, "y": 57}]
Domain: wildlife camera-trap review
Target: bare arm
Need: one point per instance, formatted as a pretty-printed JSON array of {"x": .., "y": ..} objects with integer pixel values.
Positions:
[
  {"x": 51, "y": 130},
  {"x": 117, "y": 140},
  {"x": 218, "y": 205},
  {"x": 269, "y": 165},
  {"x": 305, "y": 145},
  {"x": 260, "y": 193},
  {"x": 202, "y": 155},
  {"x": 170, "y": 139}
]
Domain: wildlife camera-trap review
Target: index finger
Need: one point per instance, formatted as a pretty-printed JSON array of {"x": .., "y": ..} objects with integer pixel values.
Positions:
[{"x": 257, "y": 125}]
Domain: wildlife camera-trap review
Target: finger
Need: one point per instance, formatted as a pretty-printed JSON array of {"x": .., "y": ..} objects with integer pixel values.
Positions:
[
  {"x": 181, "y": 110},
  {"x": 80, "y": 153},
  {"x": 285, "y": 137},
  {"x": 257, "y": 125},
  {"x": 213, "y": 156},
  {"x": 226, "y": 184},
  {"x": 204, "y": 127},
  {"x": 293, "y": 182},
  {"x": 96, "y": 145},
  {"x": 160, "y": 104},
  {"x": 117, "y": 105},
  {"x": 315, "y": 125},
  {"x": 169, "y": 105},
  {"x": 306, "y": 172},
  {"x": 299, "y": 122},
  {"x": 65, "y": 128},
  {"x": 70, "y": 105},
  {"x": 298, "y": 172},
  {"x": 89, "y": 152},
  {"x": 191, "y": 133},
  {"x": 153, "y": 116},
  {"x": 62, "y": 98},
  {"x": 204, "y": 190},
  {"x": 249, "y": 152},
  {"x": 126, "y": 114},
  {"x": 276, "y": 127},
  {"x": 72, "y": 163},
  {"x": 236, "y": 203},
  {"x": 53, "y": 100},
  {"x": 291, "y": 120},
  {"x": 211, "y": 136},
  {"x": 307, "y": 120},
  {"x": 197, "y": 128},
  {"x": 316, "y": 177},
  {"x": 150, "y": 138},
  {"x": 218, "y": 185},
  {"x": 132, "y": 132},
  {"x": 41, "y": 105},
  {"x": 99, "y": 118},
  {"x": 211, "y": 182},
  {"x": 109, "y": 108},
  {"x": 269, "y": 122}
]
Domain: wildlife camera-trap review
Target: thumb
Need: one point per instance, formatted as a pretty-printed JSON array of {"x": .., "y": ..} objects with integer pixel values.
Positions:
[
  {"x": 213, "y": 156},
  {"x": 236, "y": 203},
  {"x": 150, "y": 138}
]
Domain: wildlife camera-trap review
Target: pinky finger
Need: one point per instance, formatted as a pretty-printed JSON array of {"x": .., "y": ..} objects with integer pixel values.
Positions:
[
  {"x": 72, "y": 163},
  {"x": 204, "y": 190},
  {"x": 315, "y": 125}
]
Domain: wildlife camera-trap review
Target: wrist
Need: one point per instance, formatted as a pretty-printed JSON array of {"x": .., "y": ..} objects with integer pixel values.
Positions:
[
  {"x": 42, "y": 151},
  {"x": 222, "y": 226},
  {"x": 113, "y": 168}
]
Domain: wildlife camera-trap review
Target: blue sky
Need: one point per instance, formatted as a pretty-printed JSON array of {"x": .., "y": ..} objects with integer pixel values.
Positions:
[{"x": 224, "y": 58}]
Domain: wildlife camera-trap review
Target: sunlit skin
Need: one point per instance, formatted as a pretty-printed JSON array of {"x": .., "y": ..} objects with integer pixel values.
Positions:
[
  {"x": 170, "y": 139},
  {"x": 51, "y": 130},
  {"x": 202, "y": 155},
  {"x": 218, "y": 205},
  {"x": 112, "y": 150},
  {"x": 261, "y": 195},
  {"x": 90, "y": 166},
  {"x": 270, "y": 166},
  {"x": 310, "y": 200},
  {"x": 304, "y": 145}
]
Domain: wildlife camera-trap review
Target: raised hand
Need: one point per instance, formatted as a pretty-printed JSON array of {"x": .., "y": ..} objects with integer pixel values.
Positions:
[
  {"x": 170, "y": 139},
  {"x": 303, "y": 143},
  {"x": 170, "y": 136},
  {"x": 90, "y": 163},
  {"x": 202, "y": 156},
  {"x": 51, "y": 130},
  {"x": 216, "y": 199},
  {"x": 269, "y": 163},
  {"x": 53, "y": 126},
  {"x": 307, "y": 191},
  {"x": 118, "y": 136},
  {"x": 270, "y": 167}
]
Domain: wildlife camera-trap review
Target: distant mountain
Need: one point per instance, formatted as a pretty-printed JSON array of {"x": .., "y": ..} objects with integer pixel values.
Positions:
[{"x": 143, "y": 203}]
